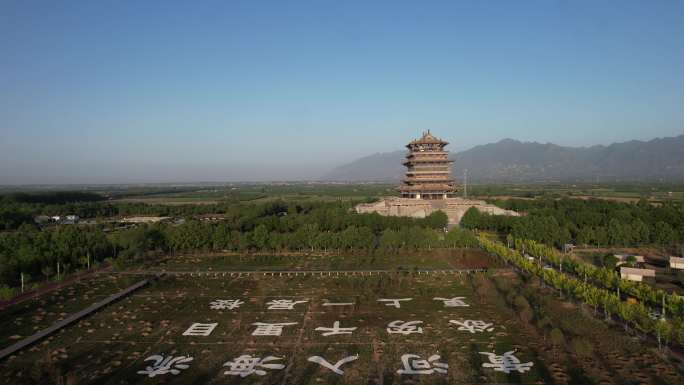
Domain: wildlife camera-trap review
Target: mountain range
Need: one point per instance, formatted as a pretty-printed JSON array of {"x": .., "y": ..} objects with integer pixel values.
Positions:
[{"x": 511, "y": 160}]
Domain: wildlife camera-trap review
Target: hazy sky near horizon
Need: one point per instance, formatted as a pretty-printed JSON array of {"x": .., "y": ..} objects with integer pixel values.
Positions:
[{"x": 163, "y": 91}]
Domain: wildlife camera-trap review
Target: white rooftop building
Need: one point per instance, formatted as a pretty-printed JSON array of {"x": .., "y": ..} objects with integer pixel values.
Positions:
[
  {"x": 677, "y": 263},
  {"x": 634, "y": 274}
]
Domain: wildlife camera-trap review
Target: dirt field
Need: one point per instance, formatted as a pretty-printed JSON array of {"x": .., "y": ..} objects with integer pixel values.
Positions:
[{"x": 111, "y": 347}]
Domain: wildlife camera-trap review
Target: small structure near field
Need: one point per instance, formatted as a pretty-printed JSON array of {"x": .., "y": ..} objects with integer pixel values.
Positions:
[
  {"x": 623, "y": 258},
  {"x": 143, "y": 219},
  {"x": 676, "y": 263},
  {"x": 634, "y": 274}
]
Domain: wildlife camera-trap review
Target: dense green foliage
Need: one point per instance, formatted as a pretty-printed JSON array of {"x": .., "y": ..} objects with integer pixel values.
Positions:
[
  {"x": 283, "y": 226},
  {"x": 35, "y": 253},
  {"x": 587, "y": 222},
  {"x": 53, "y": 198},
  {"x": 275, "y": 226}
]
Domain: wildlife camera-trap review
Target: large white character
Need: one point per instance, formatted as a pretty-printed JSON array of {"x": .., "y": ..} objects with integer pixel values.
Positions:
[
  {"x": 336, "y": 329},
  {"x": 473, "y": 326},
  {"x": 223, "y": 304},
  {"x": 199, "y": 329},
  {"x": 405, "y": 328},
  {"x": 162, "y": 365},
  {"x": 506, "y": 362},
  {"x": 452, "y": 302},
  {"x": 245, "y": 365},
  {"x": 266, "y": 329},
  {"x": 282, "y": 304},
  {"x": 336, "y": 367},
  {"x": 328, "y": 303},
  {"x": 394, "y": 301},
  {"x": 414, "y": 364}
]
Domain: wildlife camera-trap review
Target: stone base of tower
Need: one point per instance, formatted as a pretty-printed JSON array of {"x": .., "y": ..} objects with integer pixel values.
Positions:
[{"x": 454, "y": 208}]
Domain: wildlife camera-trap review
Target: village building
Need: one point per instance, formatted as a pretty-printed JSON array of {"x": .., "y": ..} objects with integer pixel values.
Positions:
[
  {"x": 428, "y": 186},
  {"x": 634, "y": 274},
  {"x": 676, "y": 263},
  {"x": 41, "y": 219},
  {"x": 143, "y": 219},
  {"x": 210, "y": 217}
]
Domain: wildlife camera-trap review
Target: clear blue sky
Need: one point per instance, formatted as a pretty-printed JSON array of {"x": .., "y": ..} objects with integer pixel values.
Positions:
[{"x": 117, "y": 91}]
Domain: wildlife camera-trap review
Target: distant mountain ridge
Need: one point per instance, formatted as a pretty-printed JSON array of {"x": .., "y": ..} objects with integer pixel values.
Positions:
[{"x": 510, "y": 160}]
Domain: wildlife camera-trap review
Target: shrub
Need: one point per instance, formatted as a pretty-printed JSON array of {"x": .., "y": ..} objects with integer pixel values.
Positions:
[
  {"x": 557, "y": 337},
  {"x": 582, "y": 347},
  {"x": 7, "y": 292}
]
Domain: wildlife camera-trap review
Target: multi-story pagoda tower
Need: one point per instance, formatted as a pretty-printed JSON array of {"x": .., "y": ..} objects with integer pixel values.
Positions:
[{"x": 428, "y": 174}]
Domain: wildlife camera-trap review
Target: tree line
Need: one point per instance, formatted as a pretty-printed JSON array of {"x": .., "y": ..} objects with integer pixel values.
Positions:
[
  {"x": 634, "y": 314},
  {"x": 586, "y": 222},
  {"x": 601, "y": 276},
  {"x": 34, "y": 252}
]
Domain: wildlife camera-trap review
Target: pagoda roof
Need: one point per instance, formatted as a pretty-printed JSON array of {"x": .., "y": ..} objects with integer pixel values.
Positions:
[{"x": 428, "y": 138}]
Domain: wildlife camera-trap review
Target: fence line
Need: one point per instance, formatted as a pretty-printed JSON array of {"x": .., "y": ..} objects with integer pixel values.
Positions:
[{"x": 296, "y": 273}]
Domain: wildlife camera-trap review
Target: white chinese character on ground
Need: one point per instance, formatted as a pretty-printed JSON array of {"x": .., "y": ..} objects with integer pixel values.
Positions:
[
  {"x": 166, "y": 365},
  {"x": 401, "y": 327},
  {"x": 473, "y": 326},
  {"x": 394, "y": 301},
  {"x": 266, "y": 329},
  {"x": 506, "y": 362},
  {"x": 199, "y": 329},
  {"x": 245, "y": 365},
  {"x": 452, "y": 302},
  {"x": 335, "y": 368},
  {"x": 223, "y": 304},
  {"x": 336, "y": 329},
  {"x": 328, "y": 303},
  {"x": 282, "y": 304},
  {"x": 414, "y": 364}
]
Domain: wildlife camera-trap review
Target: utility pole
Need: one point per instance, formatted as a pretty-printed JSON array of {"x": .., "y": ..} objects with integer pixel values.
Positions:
[{"x": 22, "y": 282}]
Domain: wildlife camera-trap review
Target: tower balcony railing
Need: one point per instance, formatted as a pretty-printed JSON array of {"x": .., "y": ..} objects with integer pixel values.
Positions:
[
  {"x": 443, "y": 171},
  {"x": 411, "y": 181},
  {"x": 428, "y": 160},
  {"x": 427, "y": 153}
]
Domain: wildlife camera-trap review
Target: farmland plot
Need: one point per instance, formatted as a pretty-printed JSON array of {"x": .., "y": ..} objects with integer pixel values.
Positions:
[
  {"x": 383, "y": 329},
  {"x": 330, "y": 318}
]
